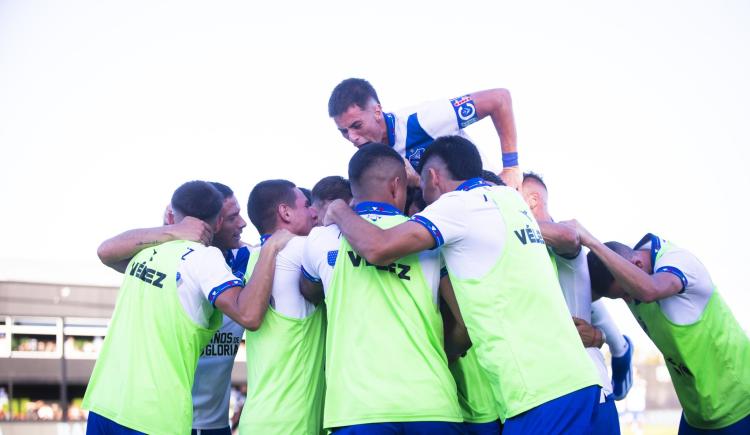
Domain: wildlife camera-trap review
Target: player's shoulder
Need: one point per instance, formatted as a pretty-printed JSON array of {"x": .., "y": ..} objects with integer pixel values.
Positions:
[
  {"x": 292, "y": 252},
  {"x": 198, "y": 256},
  {"x": 323, "y": 234}
]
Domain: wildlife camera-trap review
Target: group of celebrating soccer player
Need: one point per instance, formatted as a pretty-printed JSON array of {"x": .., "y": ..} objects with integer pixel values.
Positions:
[{"x": 422, "y": 295}]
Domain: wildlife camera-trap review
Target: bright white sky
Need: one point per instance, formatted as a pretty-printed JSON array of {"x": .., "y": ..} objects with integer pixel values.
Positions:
[{"x": 635, "y": 112}]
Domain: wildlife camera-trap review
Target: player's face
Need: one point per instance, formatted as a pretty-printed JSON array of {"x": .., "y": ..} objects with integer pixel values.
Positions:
[
  {"x": 303, "y": 215},
  {"x": 616, "y": 291},
  {"x": 361, "y": 126},
  {"x": 228, "y": 234}
]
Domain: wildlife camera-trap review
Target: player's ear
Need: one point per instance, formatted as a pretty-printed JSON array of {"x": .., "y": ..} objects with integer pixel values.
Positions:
[
  {"x": 284, "y": 213},
  {"x": 638, "y": 262},
  {"x": 218, "y": 223},
  {"x": 168, "y": 215},
  {"x": 377, "y": 110}
]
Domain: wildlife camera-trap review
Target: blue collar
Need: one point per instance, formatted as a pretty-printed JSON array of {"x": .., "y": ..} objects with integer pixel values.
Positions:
[
  {"x": 472, "y": 184},
  {"x": 390, "y": 128},
  {"x": 655, "y": 246},
  {"x": 370, "y": 207},
  {"x": 229, "y": 257},
  {"x": 264, "y": 238}
]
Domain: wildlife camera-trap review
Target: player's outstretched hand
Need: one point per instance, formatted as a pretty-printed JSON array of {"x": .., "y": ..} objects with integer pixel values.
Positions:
[
  {"x": 192, "y": 229},
  {"x": 586, "y": 238},
  {"x": 512, "y": 177},
  {"x": 279, "y": 239},
  {"x": 590, "y": 336},
  {"x": 333, "y": 207}
]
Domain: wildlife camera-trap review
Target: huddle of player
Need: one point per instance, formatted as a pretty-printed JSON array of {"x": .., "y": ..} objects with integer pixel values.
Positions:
[{"x": 361, "y": 320}]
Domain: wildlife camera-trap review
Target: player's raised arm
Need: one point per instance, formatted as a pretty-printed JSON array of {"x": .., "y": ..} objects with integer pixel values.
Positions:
[
  {"x": 117, "y": 251},
  {"x": 497, "y": 104},
  {"x": 635, "y": 282},
  {"x": 247, "y": 306}
]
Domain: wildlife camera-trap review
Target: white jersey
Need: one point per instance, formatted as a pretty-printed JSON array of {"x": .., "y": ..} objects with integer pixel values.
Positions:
[
  {"x": 197, "y": 277},
  {"x": 323, "y": 243},
  {"x": 412, "y": 130},
  {"x": 455, "y": 217},
  {"x": 575, "y": 282},
  {"x": 213, "y": 375},
  {"x": 687, "y": 306},
  {"x": 286, "y": 298}
]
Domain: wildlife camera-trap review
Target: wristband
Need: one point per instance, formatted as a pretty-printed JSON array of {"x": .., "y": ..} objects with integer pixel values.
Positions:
[{"x": 510, "y": 159}]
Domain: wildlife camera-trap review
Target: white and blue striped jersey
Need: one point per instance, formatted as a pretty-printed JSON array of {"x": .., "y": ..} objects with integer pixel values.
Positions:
[{"x": 411, "y": 131}]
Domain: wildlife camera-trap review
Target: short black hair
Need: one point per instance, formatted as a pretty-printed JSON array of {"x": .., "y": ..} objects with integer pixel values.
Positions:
[
  {"x": 332, "y": 187},
  {"x": 307, "y": 193},
  {"x": 534, "y": 176},
  {"x": 264, "y": 200},
  {"x": 461, "y": 157},
  {"x": 225, "y": 191},
  {"x": 601, "y": 277},
  {"x": 368, "y": 156},
  {"x": 414, "y": 197},
  {"x": 198, "y": 199},
  {"x": 492, "y": 177},
  {"x": 348, "y": 93}
]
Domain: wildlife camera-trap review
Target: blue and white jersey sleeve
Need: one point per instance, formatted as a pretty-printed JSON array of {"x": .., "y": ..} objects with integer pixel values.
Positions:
[
  {"x": 469, "y": 228},
  {"x": 445, "y": 219},
  {"x": 687, "y": 306},
  {"x": 202, "y": 276},
  {"x": 320, "y": 254}
]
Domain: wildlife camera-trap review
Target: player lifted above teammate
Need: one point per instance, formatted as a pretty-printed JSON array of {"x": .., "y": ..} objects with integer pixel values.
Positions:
[{"x": 355, "y": 108}]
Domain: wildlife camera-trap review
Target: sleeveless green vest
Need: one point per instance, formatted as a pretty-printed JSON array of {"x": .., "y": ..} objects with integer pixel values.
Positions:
[
  {"x": 144, "y": 374},
  {"x": 708, "y": 361},
  {"x": 285, "y": 380},
  {"x": 474, "y": 391},
  {"x": 518, "y": 321},
  {"x": 384, "y": 356}
]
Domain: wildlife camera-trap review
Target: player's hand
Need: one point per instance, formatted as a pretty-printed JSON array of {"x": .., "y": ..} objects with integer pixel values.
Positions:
[
  {"x": 512, "y": 177},
  {"x": 590, "y": 336},
  {"x": 587, "y": 239},
  {"x": 192, "y": 229},
  {"x": 279, "y": 239},
  {"x": 329, "y": 218}
]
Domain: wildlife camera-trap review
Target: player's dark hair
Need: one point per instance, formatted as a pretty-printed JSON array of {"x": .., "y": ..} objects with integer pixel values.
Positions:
[
  {"x": 332, "y": 187},
  {"x": 368, "y": 156},
  {"x": 414, "y": 197},
  {"x": 307, "y": 193},
  {"x": 348, "y": 93},
  {"x": 601, "y": 277},
  {"x": 225, "y": 191},
  {"x": 198, "y": 199},
  {"x": 265, "y": 199},
  {"x": 492, "y": 177},
  {"x": 460, "y": 156},
  {"x": 534, "y": 176}
]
